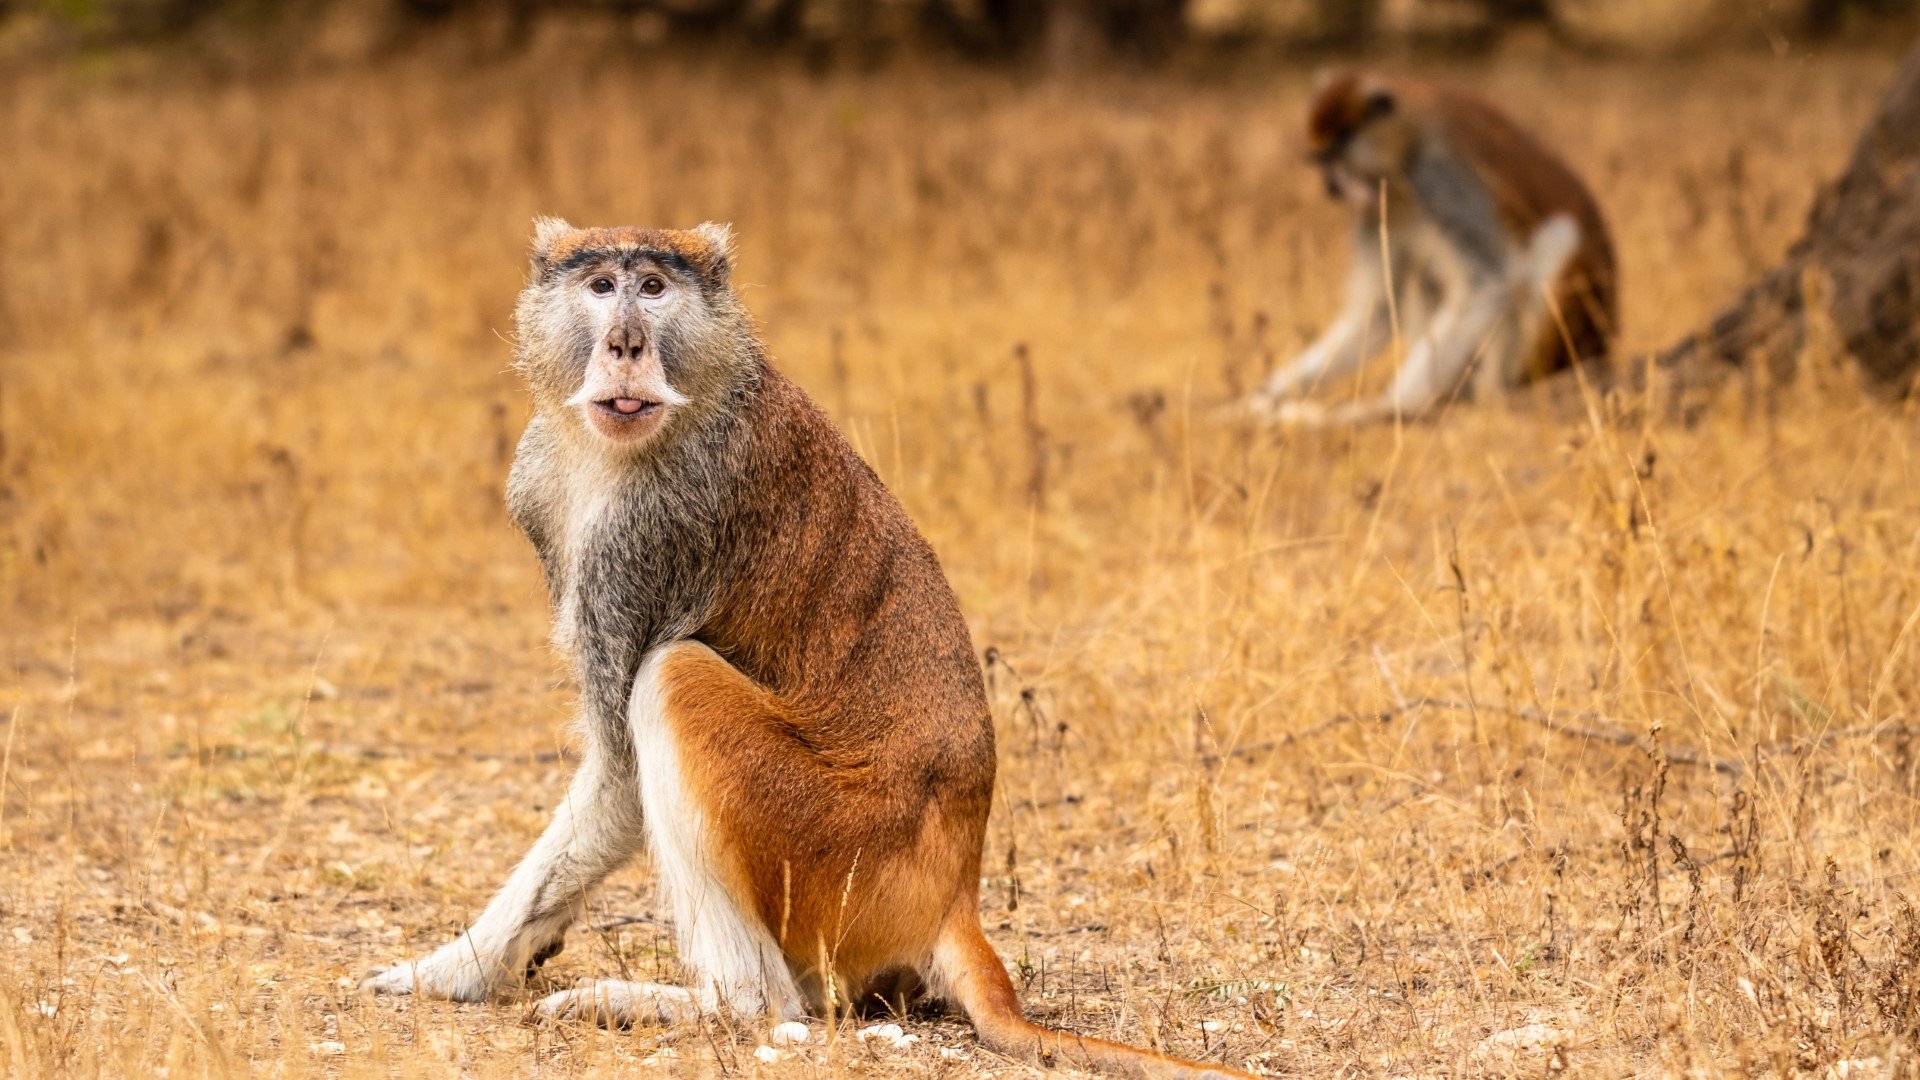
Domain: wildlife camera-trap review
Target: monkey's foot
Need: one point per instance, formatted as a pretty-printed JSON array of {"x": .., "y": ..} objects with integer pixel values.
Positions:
[
  {"x": 455, "y": 971},
  {"x": 614, "y": 1003}
]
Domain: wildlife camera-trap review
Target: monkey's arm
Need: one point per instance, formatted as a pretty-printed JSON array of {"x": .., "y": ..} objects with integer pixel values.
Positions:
[
  {"x": 1462, "y": 331},
  {"x": 599, "y": 824},
  {"x": 595, "y": 828},
  {"x": 532, "y": 494},
  {"x": 1360, "y": 330}
]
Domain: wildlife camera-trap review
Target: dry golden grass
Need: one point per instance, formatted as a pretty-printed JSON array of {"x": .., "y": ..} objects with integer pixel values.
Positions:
[{"x": 280, "y": 704}]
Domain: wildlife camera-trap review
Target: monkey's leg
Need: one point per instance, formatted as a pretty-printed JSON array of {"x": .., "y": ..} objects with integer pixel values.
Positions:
[
  {"x": 596, "y": 828},
  {"x": 1529, "y": 333},
  {"x": 700, "y": 730}
]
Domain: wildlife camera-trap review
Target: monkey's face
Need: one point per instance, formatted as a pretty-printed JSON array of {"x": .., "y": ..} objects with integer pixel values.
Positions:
[
  {"x": 629, "y": 330},
  {"x": 1358, "y": 138}
]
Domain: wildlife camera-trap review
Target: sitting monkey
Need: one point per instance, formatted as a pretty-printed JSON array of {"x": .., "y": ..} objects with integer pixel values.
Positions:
[
  {"x": 1496, "y": 261},
  {"x": 778, "y": 693}
]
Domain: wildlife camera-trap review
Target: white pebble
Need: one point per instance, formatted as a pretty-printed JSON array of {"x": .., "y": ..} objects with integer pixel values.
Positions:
[
  {"x": 791, "y": 1033},
  {"x": 768, "y": 1054},
  {"x": 905, "y": 1041},
  {"x": 889, "y": 1032},
  {"x": 329, "y": 1048}
]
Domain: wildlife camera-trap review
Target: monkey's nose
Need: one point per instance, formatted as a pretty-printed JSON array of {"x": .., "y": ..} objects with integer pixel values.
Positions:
[{"x": 625, "y": 342}]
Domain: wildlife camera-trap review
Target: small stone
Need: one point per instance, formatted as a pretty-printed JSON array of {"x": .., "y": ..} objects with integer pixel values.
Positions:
[
  {"x": 329, "y": 1048},
  {"x": 1532, "y": 1038},
  {"x": 791, "y": 1033},
  {"x": 889, "y": 1032},
  {"x": 768, "y": 1054}
]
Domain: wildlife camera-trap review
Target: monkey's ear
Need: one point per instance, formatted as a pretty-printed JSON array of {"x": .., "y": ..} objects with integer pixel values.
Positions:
[
  {"x": 547, "y": 231},
  {"x": 1379, "y": 103},
  {"x": 719, "y": 237}
]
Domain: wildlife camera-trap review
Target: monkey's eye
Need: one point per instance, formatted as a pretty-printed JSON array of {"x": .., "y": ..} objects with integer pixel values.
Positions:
[
  {"x": 652, "y": 286},
  {"x": 601, "y": 286}
]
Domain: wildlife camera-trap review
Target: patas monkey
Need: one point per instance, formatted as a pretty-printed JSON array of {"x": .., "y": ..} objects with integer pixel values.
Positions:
[
  {"x": 778, "y": 693},
  {"x": 1496, "y": 261}
]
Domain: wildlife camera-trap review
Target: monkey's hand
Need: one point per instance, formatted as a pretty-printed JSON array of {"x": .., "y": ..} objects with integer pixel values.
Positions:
[
  {"x": 1286, "y": 382},
  {"x": 1344, "y": 414},
  {"x": 1257, "y": 408},
  {"x": 457, "y": 971},
  {"x": 1303, "y": 414},
  {"x": 1278, "y": 400}
]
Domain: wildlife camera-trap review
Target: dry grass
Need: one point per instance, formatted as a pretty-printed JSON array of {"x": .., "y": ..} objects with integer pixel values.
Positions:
[{"x": 280, "y": 708}]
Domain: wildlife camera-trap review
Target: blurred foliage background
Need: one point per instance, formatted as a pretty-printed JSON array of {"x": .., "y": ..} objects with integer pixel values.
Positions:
[{"x": 1052, "y": 32}]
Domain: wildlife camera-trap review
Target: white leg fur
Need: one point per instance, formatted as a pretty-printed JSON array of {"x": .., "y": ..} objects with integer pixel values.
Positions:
[
  {"x": 1549, "y": 249},
  {"x": 595, "y": 829},
  {"x": 1533, "y": 278},
  {"x": 730, "y": 953}
]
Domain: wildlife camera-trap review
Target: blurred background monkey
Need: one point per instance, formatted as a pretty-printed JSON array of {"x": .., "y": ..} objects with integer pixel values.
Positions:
[{"x": 1496, "y": 268}]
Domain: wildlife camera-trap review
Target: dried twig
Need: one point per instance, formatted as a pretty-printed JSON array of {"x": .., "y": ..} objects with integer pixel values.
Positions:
[
  {"x": 1611, "y": 732},
  {"x": 229, "y": 752},
  {"x": 1593, "y": 726},
  {"x": 1085, "y": 928},
  {"x": 644, "y": 919}
]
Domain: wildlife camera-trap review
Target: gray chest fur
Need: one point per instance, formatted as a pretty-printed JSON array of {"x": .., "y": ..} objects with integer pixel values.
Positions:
[
  {"x": 1457, "y": 201},
  {"x": 632, "y": 548}
]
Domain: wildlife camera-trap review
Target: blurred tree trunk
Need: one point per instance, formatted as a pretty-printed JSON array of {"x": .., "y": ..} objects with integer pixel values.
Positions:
[
  {"x": 1854, "y": 273},
  {"x": 1346, "y": 22},
  {"x": 1082, "y": 31}
]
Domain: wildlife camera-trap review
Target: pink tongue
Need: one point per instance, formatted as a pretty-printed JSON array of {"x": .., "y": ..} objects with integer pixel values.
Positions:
[{"x": 627, "y": 405}]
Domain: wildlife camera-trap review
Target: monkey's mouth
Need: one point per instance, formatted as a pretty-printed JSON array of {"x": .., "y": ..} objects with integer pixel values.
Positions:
[
  {"x": 624, "y": 409},
  {"x": 627, "y": 410}
]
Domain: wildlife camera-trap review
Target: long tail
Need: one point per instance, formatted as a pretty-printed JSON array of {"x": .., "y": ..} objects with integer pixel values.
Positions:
[{"x": 969, "y": 972}]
